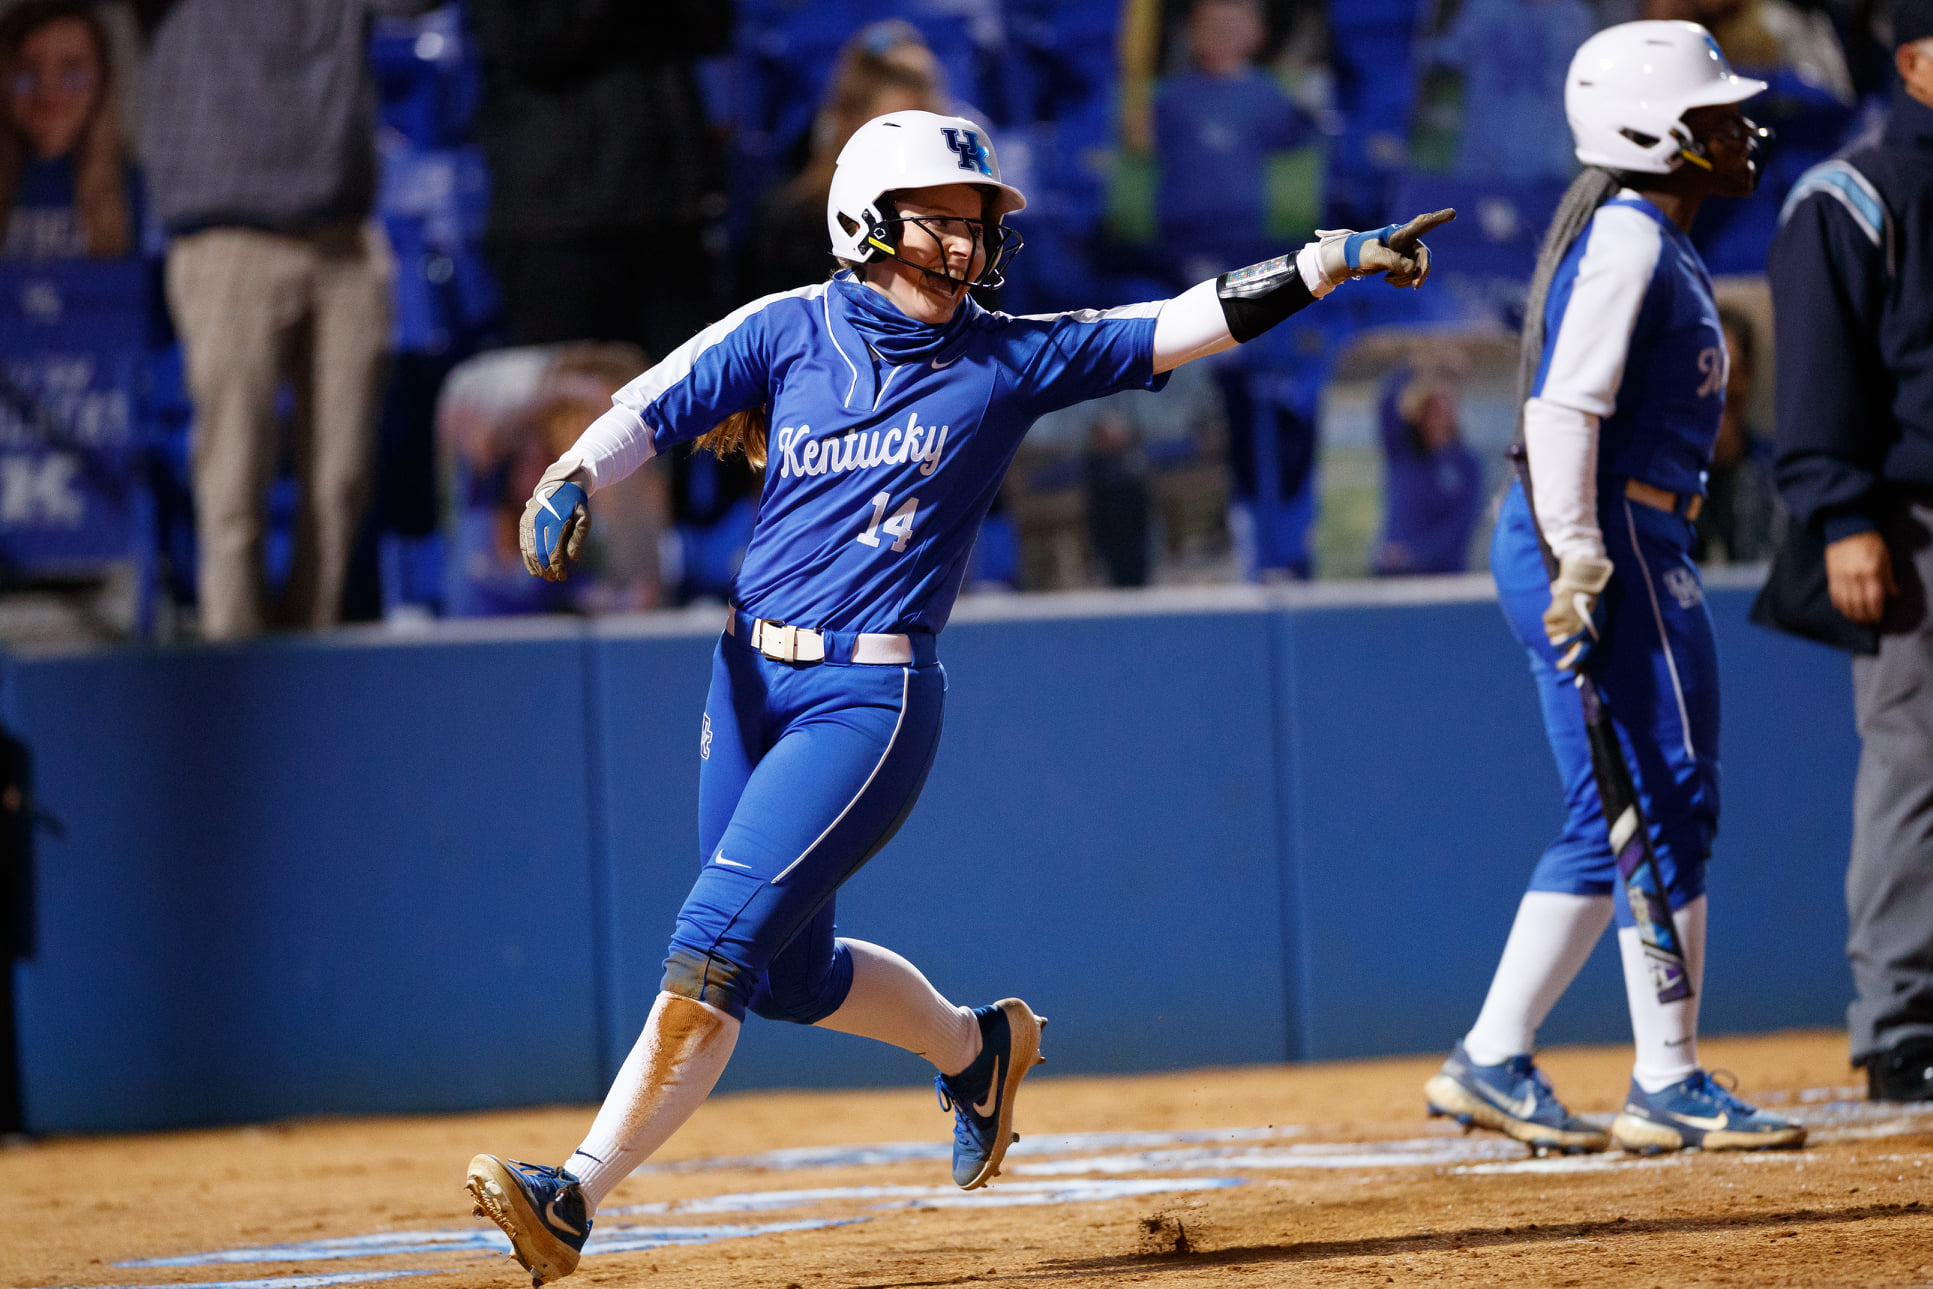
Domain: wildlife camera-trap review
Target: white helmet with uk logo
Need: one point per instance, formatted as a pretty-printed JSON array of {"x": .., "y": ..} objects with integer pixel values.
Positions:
[
  {"x": 906, "y": 150},
  {"x": 1629, "y": 85}
]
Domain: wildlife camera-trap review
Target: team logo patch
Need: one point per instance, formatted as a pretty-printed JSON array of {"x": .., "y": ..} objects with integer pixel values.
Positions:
[
  {"x": 967, "y": 146},
  {"x": 704, "y": 739},
  {"x": 1682, "y": 585}
]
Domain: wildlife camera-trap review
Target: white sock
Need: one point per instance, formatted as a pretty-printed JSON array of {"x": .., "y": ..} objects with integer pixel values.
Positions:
[
  {"x": 667, "y": 1076},
  {"x": 1666, "y": 1033},
  {"x": 1553, "y": 934},
  {"x": 892, "y": 1002}
]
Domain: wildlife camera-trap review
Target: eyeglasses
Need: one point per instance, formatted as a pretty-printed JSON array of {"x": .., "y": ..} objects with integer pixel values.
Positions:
[{"x": 73, "y": 80}]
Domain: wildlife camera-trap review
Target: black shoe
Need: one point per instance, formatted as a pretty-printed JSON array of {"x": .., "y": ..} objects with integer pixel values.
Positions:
[{"x": 1903, "y": 1073}]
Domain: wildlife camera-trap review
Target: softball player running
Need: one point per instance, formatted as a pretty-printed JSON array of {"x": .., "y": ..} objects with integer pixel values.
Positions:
[
  {"x": 1624, "y": 365},
  {"x": 885, "y": 406}
]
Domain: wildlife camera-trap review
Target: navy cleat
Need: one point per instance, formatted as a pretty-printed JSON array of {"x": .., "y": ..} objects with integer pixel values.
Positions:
[
  {"x": 1512, "y": 1097},
  {"x": 981, "y": 1096},
  {"x": 541, "y": 1209},
  {"x": 1698, "y": 1111}
]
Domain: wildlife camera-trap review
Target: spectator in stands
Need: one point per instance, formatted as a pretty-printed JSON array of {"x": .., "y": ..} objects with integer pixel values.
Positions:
[
  {"x": 1767, "y": 36},
  {"x": 1512, "y": 55},
  {"x": 260, "y": 135},
  {"x": 886, "y": 67},
  {"x": 604, "y": 170},
  {"x": 1216, "y": 126},
  {"x": 1743, "y": 515},
  {"x": 1433, "y": 482},
  {"x": 67, "y": 189}
]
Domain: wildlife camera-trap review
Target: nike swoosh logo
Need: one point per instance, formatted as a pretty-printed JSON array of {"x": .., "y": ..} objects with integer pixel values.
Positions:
[
  {"x": 942, "y": 366},
  {"x": 731, "y": 863},
  {"x": 1522, "y": 1109},
  {"x": 552, "y": 509},
  {"x": 985, "y": 1107},
  {"x": 1712, "y": 1124},
  {"x": 551, "y": 1216}
]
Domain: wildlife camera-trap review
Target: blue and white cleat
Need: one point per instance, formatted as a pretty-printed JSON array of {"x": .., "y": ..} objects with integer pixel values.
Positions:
[
  {"x": 981, "y": 1096},
  {"x": 541, "y": 1209},
  {"x": 1512, "y": 1097},
  {"x": 1698, "y": 1111}
]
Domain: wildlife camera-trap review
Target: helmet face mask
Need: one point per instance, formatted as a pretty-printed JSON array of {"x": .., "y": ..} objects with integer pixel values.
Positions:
[
  {"x": 995, "y": 244},
  {"x": 893, "y": 155}
]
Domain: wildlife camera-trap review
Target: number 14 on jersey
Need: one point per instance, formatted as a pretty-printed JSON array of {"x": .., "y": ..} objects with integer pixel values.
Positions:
[{"x": 899, "y": 526}]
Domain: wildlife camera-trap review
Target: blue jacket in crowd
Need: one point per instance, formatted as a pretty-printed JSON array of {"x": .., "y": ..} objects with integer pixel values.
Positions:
[{"x": 1852, "y": 288}]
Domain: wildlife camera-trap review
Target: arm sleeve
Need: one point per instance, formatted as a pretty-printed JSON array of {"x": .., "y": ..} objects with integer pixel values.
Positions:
[
  {"x": 1827, "y": 273},
  {"x": 721, "y": 370},
  {"x": 1562, "y": 443},
  {"x": 1190, "y": 326},
  {"x": 1593, "y": 305},
  {"x": 1205, "y": 318}
]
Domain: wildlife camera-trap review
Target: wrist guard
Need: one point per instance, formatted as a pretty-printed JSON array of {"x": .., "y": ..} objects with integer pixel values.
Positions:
[{"x": 1258, "y": 297}]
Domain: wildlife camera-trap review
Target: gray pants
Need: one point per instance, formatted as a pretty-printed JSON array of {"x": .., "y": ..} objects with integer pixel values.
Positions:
[
  {"x": 252, "y": 307},
  {"x": 1889, "y": 884}
]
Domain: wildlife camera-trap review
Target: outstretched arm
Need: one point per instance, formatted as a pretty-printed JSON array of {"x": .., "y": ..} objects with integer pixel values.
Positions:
[{"x": 1238, "y": 306}]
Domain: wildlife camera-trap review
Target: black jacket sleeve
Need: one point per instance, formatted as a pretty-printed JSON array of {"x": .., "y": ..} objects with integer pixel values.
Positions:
[{"x": 1829, "y": 282}]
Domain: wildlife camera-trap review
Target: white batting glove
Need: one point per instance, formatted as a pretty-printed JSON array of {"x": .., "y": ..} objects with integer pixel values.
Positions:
[
  {"x": 555, "y": 522},
  {"x": 1574, "y": 622},
  {"x": 1395, "y": 250}
]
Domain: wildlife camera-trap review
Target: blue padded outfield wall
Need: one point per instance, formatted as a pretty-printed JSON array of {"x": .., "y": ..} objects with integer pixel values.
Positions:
[{"x": 370, "y": 872}]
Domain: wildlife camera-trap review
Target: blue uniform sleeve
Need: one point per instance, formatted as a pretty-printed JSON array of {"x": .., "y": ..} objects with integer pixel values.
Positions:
[
  {"x": 1828, "y": 276},
  {"x": 1068, "y": 358},
  {"x": 723, "y": 369}
]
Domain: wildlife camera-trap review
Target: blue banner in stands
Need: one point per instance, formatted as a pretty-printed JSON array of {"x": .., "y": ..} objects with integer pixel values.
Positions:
[{"x": 72, "y": 337}]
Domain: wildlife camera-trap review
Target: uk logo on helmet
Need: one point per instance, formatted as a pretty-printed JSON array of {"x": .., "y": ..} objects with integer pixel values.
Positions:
[{"x": 966, "y": 144}]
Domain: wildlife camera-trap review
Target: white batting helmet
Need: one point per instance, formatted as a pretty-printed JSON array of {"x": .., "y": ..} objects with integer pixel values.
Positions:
[
  {"x": 1628, "y": 86},
  {"x": 907, "y": 150}
]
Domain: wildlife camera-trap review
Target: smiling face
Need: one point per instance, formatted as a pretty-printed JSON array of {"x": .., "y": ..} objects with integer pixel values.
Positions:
[
  {"x": 945, "y": 232},
  {"x": 56, "y": 85}
]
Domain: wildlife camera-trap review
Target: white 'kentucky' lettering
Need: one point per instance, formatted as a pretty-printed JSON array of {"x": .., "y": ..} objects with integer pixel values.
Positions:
[{"x": 801, "y": 454}]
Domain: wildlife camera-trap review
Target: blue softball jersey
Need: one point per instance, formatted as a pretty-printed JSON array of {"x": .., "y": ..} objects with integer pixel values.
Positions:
[
  {"x": 887, "y": 439},
  {"x": 1631, "y": 335}
]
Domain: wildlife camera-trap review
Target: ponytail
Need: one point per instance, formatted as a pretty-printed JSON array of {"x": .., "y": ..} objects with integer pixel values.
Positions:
[
  {"x": 741, "y": 432},
  {"x": 1587, "y": 192}
]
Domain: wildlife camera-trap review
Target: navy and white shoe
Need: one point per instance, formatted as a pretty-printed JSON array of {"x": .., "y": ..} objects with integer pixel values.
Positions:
[
  {"x": 1512, "y": 1097},
  {"x": 1698, "y": 1111},
  {"x": 542, "y": 1210},
  {"x": 981, "y": 1096}
]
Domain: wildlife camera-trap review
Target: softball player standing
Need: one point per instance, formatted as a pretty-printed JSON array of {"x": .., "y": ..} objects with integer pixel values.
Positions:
[
  {"x": 885, "y": 406},
  {"x": 1624, "y": 364}
]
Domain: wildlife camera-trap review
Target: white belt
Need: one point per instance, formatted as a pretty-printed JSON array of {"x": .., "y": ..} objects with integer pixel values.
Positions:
[{"x": 783, "y": 643}]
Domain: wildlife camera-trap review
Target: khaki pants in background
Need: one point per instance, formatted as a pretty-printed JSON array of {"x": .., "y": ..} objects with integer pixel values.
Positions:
[{"x": 251, "y": 306}]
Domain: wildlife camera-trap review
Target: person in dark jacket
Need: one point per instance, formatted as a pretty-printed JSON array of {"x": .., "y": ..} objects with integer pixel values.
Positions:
[
  {"x": 1852, "y": 289},
  {"x": 601, "y": 164}
]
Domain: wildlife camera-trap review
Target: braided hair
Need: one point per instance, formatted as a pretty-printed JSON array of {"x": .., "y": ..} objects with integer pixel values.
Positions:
[{"x": 1587, "y": 192}]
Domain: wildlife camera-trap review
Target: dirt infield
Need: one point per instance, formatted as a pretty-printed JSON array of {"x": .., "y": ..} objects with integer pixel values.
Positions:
[{"x": 1320, "y": 1175}]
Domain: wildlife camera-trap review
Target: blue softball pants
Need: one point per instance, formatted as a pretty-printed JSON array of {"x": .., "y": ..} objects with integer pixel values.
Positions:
[
  {"x": 804, "y": 773},
  {"x": 1656, "y": 670}
]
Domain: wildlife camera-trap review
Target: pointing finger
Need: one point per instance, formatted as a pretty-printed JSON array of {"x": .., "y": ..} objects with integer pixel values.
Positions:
[{"x": 1405, "y": 238}]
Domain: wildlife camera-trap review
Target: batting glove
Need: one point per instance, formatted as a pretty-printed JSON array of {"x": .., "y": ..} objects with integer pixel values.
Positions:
[
  {"x": 1574, "y": 623},
  {"x": 1395, "y": 250},
  {"x": 555, "y": 523}
]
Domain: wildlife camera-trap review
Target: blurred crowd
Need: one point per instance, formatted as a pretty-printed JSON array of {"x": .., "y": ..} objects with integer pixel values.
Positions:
[{"x": 298, "y": 298}]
